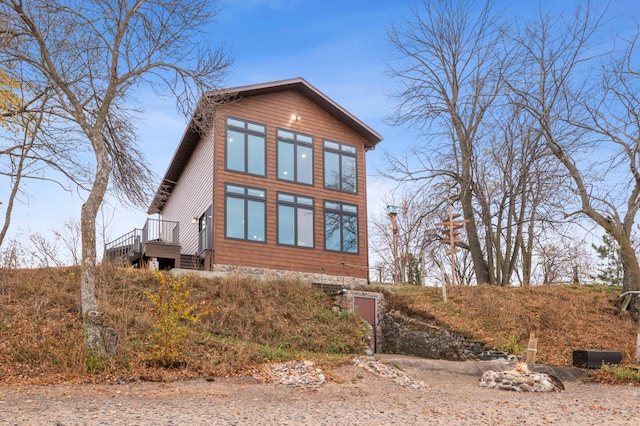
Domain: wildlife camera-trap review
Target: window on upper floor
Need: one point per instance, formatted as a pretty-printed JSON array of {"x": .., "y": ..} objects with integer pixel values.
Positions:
[
  {"x": 295, "y": 157},
  {"x": 340, "y": 167},
  {"x": 340, "y": 227},
  {"x": 295, "y": 220},
  {"x": 245, "y": 213},
  {"x": 246, "y": 147}
]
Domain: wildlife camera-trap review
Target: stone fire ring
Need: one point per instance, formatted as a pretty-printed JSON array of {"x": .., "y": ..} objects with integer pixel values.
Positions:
[{"x": 521, "y": 382}]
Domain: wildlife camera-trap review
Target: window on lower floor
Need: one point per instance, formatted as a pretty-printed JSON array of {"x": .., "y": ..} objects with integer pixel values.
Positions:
[
  {"x": 340, "y": 227},
  {"x": 245, "y": 215},
  {"x": 295, "y": 220}
]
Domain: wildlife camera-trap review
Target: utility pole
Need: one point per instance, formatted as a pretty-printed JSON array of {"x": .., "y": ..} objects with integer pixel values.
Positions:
[
  {"x": 451, "y": 228},
  {"x": 392, "y": 211}
]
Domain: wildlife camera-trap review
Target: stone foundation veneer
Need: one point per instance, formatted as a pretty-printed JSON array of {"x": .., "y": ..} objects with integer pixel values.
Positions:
[{"x": 274, "y": 274}]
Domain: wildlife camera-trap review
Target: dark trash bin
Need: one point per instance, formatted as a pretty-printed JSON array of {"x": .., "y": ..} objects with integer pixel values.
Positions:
[{"x": 595, "y": 359}]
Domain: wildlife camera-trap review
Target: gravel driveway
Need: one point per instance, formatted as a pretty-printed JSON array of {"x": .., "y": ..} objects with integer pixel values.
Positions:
[{"x": 351, "y": 396}]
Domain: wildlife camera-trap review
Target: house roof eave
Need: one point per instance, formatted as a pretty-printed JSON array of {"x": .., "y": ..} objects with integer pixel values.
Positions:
[
  {"x": 177, "y": 164},
  {"x": 191, "y": 136},
  {"x": 301, "y": 85}
]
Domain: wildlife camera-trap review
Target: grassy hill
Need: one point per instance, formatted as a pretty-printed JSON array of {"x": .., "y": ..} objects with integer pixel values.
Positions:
[
  {"x": 563, "y": 318},
  {"x": 241, "y": 323}
]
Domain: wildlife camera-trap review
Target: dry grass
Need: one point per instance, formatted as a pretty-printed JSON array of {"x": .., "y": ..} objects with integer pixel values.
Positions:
[
  {"x": 252, "y": 322},
  {"x": 563, "y": 318},
  {"x": 41, "y": 335}
]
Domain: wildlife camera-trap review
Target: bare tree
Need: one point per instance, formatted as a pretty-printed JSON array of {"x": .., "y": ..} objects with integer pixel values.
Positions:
[
  {"x": 612, "y": 116},
  {"x": 18, "y": 139},
  {"x": 26, "y": 154},
  {"x": 93, "y": 56},
  {"x": 450, "y": 73},
  {"x": 45, "y": 250},
  {"x": 563, "y": 259},
  {"x": 60, "y": 248},
  {"x": 419, "y": 240},
  {"x": 517, "y": 190},
  {"x": 575, "y": 122},
  {"x": 415, "y": 233},
  {"x": 70, "y": 236},
  {"x": 14, "y": 161}
]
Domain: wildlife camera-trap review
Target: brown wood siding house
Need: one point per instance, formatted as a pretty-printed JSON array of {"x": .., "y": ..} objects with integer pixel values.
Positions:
[{"x": 277, "y": 186}]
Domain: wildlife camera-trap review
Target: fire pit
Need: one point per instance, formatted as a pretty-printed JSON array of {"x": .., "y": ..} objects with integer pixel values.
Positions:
[{"x": 521, "y": 379}]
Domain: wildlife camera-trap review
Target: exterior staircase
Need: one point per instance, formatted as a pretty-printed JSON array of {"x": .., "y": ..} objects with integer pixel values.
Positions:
[{"x": 158, "y": 239}]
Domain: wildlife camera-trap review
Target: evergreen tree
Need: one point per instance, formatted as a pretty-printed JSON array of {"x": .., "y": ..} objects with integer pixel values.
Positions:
[{"x": 610, "y": 270}]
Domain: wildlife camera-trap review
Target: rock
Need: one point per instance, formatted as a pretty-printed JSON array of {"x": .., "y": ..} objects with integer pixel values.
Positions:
[
  {"x": 298, "y": 374},
  {"x": 521, "y": 381},
  {"x": 397, "y": 376}
]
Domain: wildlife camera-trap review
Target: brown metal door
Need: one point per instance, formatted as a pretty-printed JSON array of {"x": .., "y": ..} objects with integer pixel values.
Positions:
[{"x": 366, "y": 307}]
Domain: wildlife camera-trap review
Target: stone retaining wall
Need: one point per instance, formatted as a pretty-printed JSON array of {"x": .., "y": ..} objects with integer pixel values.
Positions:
[
  {"x": 275, "y": 274},
  {"x": 418, "y": 337}
]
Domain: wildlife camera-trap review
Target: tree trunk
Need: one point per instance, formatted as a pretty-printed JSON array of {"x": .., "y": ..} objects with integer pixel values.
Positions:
[
  {"x": 526, "y": 248},
  {"x": 19, "y": 168},
  {"x": 466, "y": 199},
  {"x": 479, "y": 264},
  {"x": 630, "y": 266},
  {"x": 93, "y": 320},
  {"x": 12, "y": 196}
]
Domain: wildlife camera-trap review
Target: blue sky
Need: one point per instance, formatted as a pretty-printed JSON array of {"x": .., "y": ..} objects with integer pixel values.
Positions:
[{"x": 340, "y": 47}]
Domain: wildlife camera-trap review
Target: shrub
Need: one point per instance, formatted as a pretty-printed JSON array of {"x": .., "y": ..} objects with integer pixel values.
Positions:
[
  {"x": 619, "y": 374},
  {"x": 172, "y": 313}
]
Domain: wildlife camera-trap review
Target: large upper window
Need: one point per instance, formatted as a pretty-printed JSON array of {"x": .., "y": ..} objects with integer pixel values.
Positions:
[
  {"x": 340, "y": 167},
  {"x": 245, "y": 215},
  {"x": 246, "y": 147},
  {"x": 340, "y": 227},
  {"x": 295, "y": 157},
  {"x": 295, "y": 220}
]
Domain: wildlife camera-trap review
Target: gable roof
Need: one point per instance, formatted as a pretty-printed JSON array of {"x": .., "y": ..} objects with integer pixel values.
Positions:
[{"x": 191, "y": 137}]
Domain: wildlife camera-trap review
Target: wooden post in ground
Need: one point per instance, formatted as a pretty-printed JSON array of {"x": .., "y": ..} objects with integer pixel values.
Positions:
[
  {"x": 451, "y": 228},
  {"x": 444, "y": 282},
  {"x": 625, "y": 304},
  {"x": 532, "y": 348},
  {"x": 638, "y": 344}
]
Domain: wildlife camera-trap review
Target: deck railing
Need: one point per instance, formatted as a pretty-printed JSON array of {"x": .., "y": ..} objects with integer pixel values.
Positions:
[
  {"x": 132, "y": 244},
  {"x": 164, "y": 231},
  {"x": 127, "y": 245}
]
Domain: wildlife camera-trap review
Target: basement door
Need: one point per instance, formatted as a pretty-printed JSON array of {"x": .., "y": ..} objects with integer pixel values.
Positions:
[{"x": 366, "y": 307}]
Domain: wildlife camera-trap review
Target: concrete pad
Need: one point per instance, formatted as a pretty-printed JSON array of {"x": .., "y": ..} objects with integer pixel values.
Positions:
[{"x": 418, "y": 367}]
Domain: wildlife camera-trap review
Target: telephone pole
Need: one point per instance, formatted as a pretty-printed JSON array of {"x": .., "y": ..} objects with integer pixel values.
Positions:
[{"x": 392, "y": 211}]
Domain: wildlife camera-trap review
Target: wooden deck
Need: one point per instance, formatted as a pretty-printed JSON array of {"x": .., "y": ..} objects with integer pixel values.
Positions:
[{"x": 156, "y": 240}]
